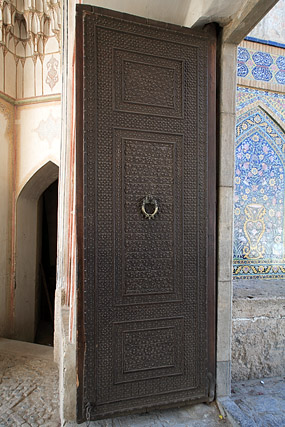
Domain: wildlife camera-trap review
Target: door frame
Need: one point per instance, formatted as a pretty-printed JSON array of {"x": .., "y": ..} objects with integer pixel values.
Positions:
[{"x": 212, "y": 192}]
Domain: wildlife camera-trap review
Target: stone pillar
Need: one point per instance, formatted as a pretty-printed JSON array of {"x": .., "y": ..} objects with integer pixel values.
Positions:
[{"x": 225, "y": 215}]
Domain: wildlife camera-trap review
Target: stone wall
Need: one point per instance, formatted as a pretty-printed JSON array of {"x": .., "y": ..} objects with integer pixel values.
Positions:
[{"x": 258, "y": 344}]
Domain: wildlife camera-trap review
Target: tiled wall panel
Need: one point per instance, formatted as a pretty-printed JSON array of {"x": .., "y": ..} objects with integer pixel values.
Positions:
[{"x": 259, "y": 244}]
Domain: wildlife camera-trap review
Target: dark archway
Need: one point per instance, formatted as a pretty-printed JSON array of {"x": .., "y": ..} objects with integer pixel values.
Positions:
[{"x": 48, "y": 204}]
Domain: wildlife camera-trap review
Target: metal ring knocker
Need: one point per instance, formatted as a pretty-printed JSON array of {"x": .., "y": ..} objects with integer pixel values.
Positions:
[{"x": 149, "y": 200}]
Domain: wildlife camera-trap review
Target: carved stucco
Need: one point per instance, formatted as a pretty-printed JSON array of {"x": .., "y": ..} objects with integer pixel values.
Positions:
[
  {"x": 7, "y": 110},
  {"x": 26, "y": 25}
]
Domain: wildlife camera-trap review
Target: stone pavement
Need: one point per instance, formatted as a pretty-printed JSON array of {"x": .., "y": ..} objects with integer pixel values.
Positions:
[
  {"x": 201, "y": 415},
  {"x": 28, "y": 385},
  {"x": 29, "y": 395},
  {"x": 256, "y": 403}
]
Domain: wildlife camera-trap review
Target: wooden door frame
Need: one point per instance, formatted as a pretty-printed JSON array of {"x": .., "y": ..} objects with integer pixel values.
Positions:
[{"x": 212, "y": 192}]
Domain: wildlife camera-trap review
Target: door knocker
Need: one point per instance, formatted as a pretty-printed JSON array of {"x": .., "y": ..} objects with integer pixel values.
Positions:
[{"x": 149, "y": 200}]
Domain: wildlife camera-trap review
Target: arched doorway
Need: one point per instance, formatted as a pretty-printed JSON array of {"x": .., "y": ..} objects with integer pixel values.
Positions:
[
  {"x": 35, "y": 253},
  {"x": 48, "y": 203}
]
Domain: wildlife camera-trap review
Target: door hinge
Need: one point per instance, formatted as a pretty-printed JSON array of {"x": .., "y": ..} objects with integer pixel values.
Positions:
[
  {"x": 211, "y": 387},
  {"x": 88, "y": 409}
]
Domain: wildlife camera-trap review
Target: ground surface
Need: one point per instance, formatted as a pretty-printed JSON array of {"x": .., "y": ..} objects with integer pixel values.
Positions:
[
  {"x": 257, "y": 403},
  {"x": 201, "y": 415},
  {"x": 28, "y": 385},
  {"x": 29, "y": 395}
]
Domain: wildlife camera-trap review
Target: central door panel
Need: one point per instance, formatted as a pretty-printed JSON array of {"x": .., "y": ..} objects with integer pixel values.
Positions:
[
  {"x": 143, "y": 134},
  {"x": 149, "y": 252}
]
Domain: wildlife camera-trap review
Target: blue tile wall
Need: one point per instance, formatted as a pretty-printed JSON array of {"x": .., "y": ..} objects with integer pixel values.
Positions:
[
  {"x": 259, "y": 244},
  {"x": 260, "y": 66}
]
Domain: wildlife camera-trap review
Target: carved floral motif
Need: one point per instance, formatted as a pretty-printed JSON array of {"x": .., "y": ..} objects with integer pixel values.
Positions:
[
  {"x": 49, "y": 129},
  {"x": 260, "y": 66},
  {"x": 259, "y": 244},
  {"x": 52, "y": 74}
]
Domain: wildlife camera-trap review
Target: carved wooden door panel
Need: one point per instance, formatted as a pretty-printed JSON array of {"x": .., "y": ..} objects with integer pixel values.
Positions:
[{"x": 146, "y": 213}]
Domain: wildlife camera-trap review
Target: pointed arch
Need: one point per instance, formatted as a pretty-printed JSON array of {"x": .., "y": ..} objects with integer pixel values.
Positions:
[
  {"x": 28, "y": 250},
  {"x": 259, "y": 104},
  {"x": 259, "y": 201}
]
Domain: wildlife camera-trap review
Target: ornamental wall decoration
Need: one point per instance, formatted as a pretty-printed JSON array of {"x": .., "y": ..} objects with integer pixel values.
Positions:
[{"x": 26, "y": 25}]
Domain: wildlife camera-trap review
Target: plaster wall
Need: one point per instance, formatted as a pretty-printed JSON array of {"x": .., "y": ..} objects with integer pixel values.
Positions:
[
  {"x": 37, "y": 128},
  {"x": 201, "y": 12},
  {"x": 29, "y": 75},
  {"x": 27, "y": 271},
  {"x": 6, "y": 176},
  {"x": 30, "y": 137},
  {"x": 273, "y": 26},
  {"x": 188, "y": 13},
  {"x": 28, "y": 249}
]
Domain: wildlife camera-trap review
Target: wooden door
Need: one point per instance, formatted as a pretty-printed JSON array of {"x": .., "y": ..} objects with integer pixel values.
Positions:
[{"x": 146, "y": 214}]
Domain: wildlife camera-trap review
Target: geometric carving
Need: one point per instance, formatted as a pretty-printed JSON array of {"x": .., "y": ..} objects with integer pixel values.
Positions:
[
  {"x": 147, "y": 84},
  {"x": 148, "y": 349},
  {"x": 145, "y": 350},
  {"x": 145, "y": 300},
  {"x": 148, "y": 253}
]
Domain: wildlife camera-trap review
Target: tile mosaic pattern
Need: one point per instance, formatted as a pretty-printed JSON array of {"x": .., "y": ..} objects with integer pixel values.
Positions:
[
  {"x": 274, "y": 102},
  {"x": 259, "y": 65},
  {"x": 259, "y": 246}
]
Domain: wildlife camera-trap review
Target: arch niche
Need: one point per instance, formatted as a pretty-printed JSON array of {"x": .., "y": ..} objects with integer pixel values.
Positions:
[
  {"x": 28, "y": 251},
  {"x": 259, "y": 203}
]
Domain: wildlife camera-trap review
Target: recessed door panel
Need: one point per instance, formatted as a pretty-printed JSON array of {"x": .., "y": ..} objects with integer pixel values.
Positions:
[{"x": 149, "y": 251}]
